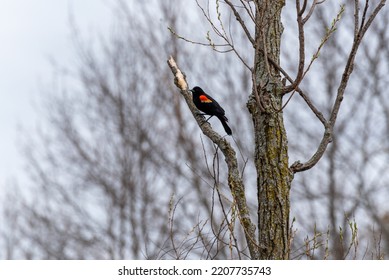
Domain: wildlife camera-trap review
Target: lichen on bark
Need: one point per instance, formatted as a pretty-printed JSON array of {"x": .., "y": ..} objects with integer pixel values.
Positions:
[{"x": 271, "y": 146}]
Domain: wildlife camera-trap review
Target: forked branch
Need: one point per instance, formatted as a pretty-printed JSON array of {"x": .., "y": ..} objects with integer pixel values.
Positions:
[
  {"x": 360, "y": 31},
  {"x": 300, "y": 23}
]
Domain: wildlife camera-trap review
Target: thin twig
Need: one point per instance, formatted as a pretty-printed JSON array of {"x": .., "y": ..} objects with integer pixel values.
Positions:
[
  {"x": 241, "y": 22},
  {"x": 301, "y": 36},
  {"x": 213, "y": 45},
  {"x": 356, "y": 17},
  {"x": 249, "y": 10},
  {"x": 310, "y": 12}
]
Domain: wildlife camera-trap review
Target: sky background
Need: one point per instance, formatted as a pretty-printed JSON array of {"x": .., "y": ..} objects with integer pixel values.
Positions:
[{"x": 32, "y": 33}]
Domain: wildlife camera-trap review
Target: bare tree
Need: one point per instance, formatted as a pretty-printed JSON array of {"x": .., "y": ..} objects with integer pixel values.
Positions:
[
  {"x": 341, "y": 197},
  {"x": 119, "y": 160},
  {"x": 274, "y": 177},
  {"x": 123, "y": 172}
]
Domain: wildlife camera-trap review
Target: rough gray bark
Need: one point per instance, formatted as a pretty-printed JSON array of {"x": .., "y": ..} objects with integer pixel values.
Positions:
[{"x": 271, "y": 147}]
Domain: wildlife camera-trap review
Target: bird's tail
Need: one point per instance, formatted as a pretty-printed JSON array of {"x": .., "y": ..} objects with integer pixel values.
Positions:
[{"x": 224, "y": 120}]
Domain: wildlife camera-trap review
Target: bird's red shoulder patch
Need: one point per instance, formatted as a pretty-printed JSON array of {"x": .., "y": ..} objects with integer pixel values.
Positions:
[{"x": 205, "y": 99}]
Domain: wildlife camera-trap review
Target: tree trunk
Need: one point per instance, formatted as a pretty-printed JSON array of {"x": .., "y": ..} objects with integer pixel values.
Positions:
[{"x": 271, "y": 151}]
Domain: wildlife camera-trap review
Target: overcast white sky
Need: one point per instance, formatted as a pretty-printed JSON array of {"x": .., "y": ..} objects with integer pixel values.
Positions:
[{"x": 31, "y": 31}]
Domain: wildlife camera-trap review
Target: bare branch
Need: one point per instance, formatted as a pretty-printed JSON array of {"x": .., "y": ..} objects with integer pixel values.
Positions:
[
  {"x": 350, "y": 62},
  {"x": 210, "y": 44},
  {"x": 317, "y": 113},
  {"x": 356, "y": 17},
  {"x": 299, "y": 167},
  {"x": 234, "y": 179},
  {"x": 229, "y": 45},
  {"x": 241, "y": 22},
  {"x": 301, "y": 36},
  {"x": 249, "y": 10},
  {"x": 301, "y": 73},
  {"x": 327, "y": 137},
  {"x": 302, "y": 10},
  {"x": 310, "y": 12}
]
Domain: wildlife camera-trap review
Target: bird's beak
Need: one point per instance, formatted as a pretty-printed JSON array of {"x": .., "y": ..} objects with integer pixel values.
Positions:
[{"x": 191, "y": 90}]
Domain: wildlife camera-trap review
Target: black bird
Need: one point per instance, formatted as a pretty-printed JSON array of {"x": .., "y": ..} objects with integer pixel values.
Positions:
[{"x": 209, "y": 106}]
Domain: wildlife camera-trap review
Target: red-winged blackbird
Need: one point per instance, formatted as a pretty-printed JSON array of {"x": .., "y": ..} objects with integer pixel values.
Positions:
[{"x": 209, "y": 106}]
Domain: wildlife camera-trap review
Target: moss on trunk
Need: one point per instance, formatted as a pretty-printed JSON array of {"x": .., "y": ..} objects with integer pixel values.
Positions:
[{"x": 271, "y": 146}]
